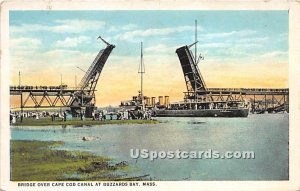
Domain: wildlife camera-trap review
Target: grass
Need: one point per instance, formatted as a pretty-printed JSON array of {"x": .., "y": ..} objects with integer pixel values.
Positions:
[
  {"x": 47, "y": 121},
  {"x": 39, "y": 161}
]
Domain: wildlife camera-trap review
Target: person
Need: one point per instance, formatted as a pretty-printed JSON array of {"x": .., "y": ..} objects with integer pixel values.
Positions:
[
  {"x": 61, "y": 115},
  {"x": 93, "y": 115},
  {"x": 14, "y": 119},
  {"x": 100, "y": 116},
  {"x": 65, "y": 116},
  {"x": 119, "y": 116},
  {"x": 125, "y": 115},
  {"x": 10, "y": 118},
  {"x": 81, "y": 116}
]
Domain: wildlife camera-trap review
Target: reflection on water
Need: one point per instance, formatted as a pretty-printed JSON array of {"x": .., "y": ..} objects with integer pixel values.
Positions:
[{"x": 266, "y": 135}]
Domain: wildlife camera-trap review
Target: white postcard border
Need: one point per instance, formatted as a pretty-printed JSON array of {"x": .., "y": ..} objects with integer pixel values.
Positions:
[{"x": 294, "y": 85}]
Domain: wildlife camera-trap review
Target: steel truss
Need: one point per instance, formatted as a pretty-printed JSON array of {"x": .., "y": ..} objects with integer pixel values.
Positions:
[
  {"x": 61, "y": 96},
  {"x": 261, "y": 99},
  {"x": 47, "y": 99}
]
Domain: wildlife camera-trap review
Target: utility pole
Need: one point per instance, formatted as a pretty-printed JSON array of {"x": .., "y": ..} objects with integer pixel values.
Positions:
[
  {"x": 61, "y": 81},
  {"x": 19, "y": 80},
  {"x": 75, "y": 82},
  {"x": 61, "y": 90},
  {"x": 21, "y": 96},
  {"x": 142, "y": 71}
]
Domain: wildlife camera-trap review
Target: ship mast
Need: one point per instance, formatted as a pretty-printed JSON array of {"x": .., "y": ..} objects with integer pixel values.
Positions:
[
  {"x": 195, "y": 93},
  {"x": 196, "y": 41},
  {"x": 142, "y": 71}
]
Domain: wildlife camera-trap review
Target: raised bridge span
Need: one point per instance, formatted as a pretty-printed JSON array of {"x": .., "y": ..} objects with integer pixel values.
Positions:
[
  {"x": 62, "y": 96},
  {"x": 261, "y": 99}
]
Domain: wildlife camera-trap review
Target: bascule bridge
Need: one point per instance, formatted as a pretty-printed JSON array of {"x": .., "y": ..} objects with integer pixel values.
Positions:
[
  {"x": 82, "y": 97},
  {"x": 261, "y": 99}
]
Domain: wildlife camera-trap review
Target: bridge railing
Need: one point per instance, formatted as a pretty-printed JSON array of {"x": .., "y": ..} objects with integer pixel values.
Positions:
[
  {"x": 283, "y": 90},
  {"x": 27, "y": 87}
]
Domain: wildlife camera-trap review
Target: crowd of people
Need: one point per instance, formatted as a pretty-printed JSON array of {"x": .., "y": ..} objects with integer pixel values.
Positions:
[
  {"x": 19, "y": 116},
  {"x": 96, "y": 115},
  {"x": 122, "y": 115}
]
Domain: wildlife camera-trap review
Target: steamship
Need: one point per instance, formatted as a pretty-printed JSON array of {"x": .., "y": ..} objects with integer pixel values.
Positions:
[
  {"x": 204, "y": 109},
  {"x": 198, "y": 101}
]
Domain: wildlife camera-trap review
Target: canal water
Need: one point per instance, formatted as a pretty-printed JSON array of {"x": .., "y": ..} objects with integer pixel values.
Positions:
[{"x": 265, "y": 134}]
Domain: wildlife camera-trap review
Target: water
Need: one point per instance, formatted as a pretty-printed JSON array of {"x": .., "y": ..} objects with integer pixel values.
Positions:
[{"x": 265, "y": 134}]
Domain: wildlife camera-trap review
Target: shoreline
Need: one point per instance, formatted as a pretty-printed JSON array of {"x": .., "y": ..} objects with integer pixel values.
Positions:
[
  {"x": 48, "y": 122},
  {"x": 40, "y": 161}
]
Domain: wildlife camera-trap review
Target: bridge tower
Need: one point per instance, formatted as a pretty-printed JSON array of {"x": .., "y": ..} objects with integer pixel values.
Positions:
[{"x": 85, "y": 96}]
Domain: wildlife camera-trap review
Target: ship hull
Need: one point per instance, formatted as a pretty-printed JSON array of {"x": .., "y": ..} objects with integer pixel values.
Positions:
[{"x": 243, "y": 112}]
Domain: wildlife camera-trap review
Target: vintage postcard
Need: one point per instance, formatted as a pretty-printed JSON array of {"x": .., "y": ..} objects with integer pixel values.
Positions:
[{"x": 149, "y": 96}]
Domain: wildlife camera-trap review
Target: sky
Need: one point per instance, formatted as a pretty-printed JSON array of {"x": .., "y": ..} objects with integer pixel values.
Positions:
[{"x": 240, "y": 48}]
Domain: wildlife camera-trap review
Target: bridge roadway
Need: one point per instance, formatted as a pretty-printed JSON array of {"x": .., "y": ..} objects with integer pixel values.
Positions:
[
  {"x": 48, "y": 96},
  {"x": 36, "y": 90},
  {"x": 246, "y": 91},
  {"x": 65, "y": 95},
  {"x": 250, "y": 91},
  {"x": 17, "y": 90}
]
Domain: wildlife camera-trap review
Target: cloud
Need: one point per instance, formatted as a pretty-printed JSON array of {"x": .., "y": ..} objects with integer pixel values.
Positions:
[
  {"x": 241, "y": 33},
  {"x": 131, "y": 35},
  {"x": 228, "y": 50},
  {"x": 275, "y": 54},
  {"x": 237, "y": 44},
  {"x": 122, "y": 28},
  {"x": 161, "y": 49},
  {"x": 129, "y": 27},
  {"x": 284, "y": 35},
  {"x": 60, "y": 26},
  {"x": 253, "y": 40},
  {"x": 53, "y": 61},
  {"x": 234, "y": 49},
  {"x": 264, "y": 74},
  {"x": 236, "y": 55},
  {"x": 72, "y": 42},
  {"x": 23, "y": 43},
  {"x": 214, "y": 45},
  {"x": 76, "y": 26}
]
